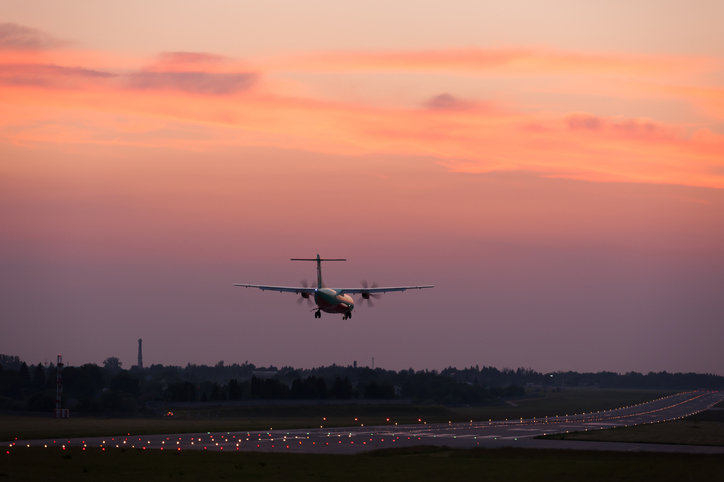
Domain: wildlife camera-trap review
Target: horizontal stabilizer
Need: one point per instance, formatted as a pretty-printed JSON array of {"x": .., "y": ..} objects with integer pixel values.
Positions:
[{"x": 317, "y": 259}]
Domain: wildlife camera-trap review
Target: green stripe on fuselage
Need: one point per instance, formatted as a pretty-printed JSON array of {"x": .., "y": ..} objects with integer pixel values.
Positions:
[{"x": 331, "y": 301}]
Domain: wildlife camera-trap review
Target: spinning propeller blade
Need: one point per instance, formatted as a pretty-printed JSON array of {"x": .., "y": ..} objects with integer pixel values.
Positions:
[
  {"x": 366, "y": 296},
  {"x": 305, "y": 296}
]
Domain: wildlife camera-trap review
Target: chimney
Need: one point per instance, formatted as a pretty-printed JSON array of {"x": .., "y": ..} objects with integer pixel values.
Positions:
[{"x": 140, "y": 354}]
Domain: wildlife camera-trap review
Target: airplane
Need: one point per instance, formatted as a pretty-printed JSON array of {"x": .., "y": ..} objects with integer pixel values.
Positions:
[{"x": 329, "y": 300}]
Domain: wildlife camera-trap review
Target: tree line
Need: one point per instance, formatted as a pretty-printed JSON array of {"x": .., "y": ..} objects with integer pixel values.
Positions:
[{"x": 109, "y": 388}]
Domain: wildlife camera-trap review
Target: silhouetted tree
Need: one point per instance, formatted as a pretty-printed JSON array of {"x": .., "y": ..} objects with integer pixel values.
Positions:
[
  {"x": 38, "y": 377},
  {"x": 309, "y": 388},
  {"x": 182, "y": 392},
  {"x": 125, "y": 383},
  {"x": 268, "y": 388},
  {"x": 112, "y": 363},
  {"x": 234, "y": 389},
  {"x": 83, "y": 382},
  {"x": 342, "y": 389},
  {"x": 379, "y": 390}
]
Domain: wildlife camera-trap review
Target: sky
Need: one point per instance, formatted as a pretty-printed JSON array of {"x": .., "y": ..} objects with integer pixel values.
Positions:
[{"x": 554, "y": 168}]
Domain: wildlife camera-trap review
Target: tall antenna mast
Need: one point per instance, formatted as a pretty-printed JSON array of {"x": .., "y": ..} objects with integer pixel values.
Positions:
[{"x": 59, "y": 412}]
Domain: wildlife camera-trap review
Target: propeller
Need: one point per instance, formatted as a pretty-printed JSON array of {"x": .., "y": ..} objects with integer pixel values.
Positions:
[
  {"x": 367, "y": 296},
  {"x": 305, "y": 296}
]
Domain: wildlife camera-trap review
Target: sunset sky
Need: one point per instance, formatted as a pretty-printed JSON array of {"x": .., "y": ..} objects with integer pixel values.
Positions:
[{"x": 555, "y": 168}]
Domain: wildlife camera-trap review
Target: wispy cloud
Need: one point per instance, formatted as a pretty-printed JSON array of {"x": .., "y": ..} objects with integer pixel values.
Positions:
[
  {"x": 187, "y": 72},
  {"x": 489, "y": 60},
  {"x": 175, "y": 59},
  {"x": 193, "y": 73},
  {"x": 232, "y": 102},
  {"x": 20, "y": 37},
  {"x": 447, "y": 102},
  {"x": 634, "y": 128},
  {"x": 192, "y": 82},
  {"x": 50, "y": 76}
]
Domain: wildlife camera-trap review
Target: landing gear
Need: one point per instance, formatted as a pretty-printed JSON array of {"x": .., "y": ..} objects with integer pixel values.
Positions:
[
  {"x": 318, "y": 314},
  {"x": 347, "y": 315}
]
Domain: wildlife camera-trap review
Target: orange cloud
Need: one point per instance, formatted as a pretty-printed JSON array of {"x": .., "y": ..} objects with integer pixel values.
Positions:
[
  {"x": 172, "y": 61},
  {"x": 447, "y": 102},
  {"x": 709, "y": 99},
  {"x": 201, "y": 101},
  {"x": 50, "y": 76},
  {"x": 194, "y": 82},
  {"x": 173, "y": 73},
  {"x": 490, "y": 60},
  {"x": 20, "y": 37}
]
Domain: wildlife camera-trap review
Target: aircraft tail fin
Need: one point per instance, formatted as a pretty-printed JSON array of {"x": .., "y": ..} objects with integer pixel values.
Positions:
[{"x": 319, "y": 266}]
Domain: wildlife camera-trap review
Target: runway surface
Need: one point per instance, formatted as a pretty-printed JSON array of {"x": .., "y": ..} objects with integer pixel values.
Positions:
[{"x": 510, "y": 433}]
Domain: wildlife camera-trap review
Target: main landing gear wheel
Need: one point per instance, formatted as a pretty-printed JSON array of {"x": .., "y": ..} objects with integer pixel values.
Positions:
[
  {"x": 317, "y": 314},
  {"x": 347, "y": 316}
]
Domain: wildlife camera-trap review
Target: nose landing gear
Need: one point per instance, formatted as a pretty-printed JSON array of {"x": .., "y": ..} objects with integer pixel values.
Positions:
[
  {"x": 318, "y": 314},
  {"x": 347, "y": 315}
]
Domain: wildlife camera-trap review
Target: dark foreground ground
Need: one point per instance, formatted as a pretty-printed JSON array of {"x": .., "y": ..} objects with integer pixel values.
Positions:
[
  {"x": 417, "y": 463},
  {"x": 408, "y": 463}
]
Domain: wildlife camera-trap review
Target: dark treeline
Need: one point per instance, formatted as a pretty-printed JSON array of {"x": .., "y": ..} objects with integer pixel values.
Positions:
[{"x": 109, "y": 388}]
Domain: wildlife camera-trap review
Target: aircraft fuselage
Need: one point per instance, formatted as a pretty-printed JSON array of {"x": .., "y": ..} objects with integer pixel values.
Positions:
[{"x": 330, "y": 301}]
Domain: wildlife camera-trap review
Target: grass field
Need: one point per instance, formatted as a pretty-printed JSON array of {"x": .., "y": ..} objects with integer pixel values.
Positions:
[
  {"x": 705, "y": 428},
  {"x": 677, "y": 432},
  {"x": 421, "y": 463},
  {"x": 213, "y": 419}
]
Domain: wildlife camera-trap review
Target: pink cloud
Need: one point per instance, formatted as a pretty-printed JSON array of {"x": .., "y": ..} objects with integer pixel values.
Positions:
[
  {"x": 50, "y": 76},
  {"x": 195, "y": 62},
  {"x": 225, "y": 103},
  {"x": 632, "y": 128},
  {"x": 447, "y": 102},
  {"x": 584, "y": 121},
  {"x": 708, "y": 99},
  {"x": 511, "y": 59},
  {"x": 169, "y": 59},
  {"x": 20, "y": 37},
  {"x": 193, "y": 73},
  {"x": 182, "y": 72},
  {"x": 192, "y": 82}
]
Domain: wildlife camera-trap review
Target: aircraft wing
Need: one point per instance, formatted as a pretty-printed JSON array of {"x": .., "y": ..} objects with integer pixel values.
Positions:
[
  {"x": 281, "y": 289},
  {"x": 387, "y": 289}
]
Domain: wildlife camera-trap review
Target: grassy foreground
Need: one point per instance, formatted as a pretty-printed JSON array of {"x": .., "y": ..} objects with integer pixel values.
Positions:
[
  {"x": 706, "y": 428},
  {"x": 212, "y": 418},
  {"x": 421, "y": 463},
  {"x": 678, "y": 432}
]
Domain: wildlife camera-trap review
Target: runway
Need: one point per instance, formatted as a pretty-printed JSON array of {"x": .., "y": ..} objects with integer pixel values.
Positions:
[{"x": 349, "y": 440}]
